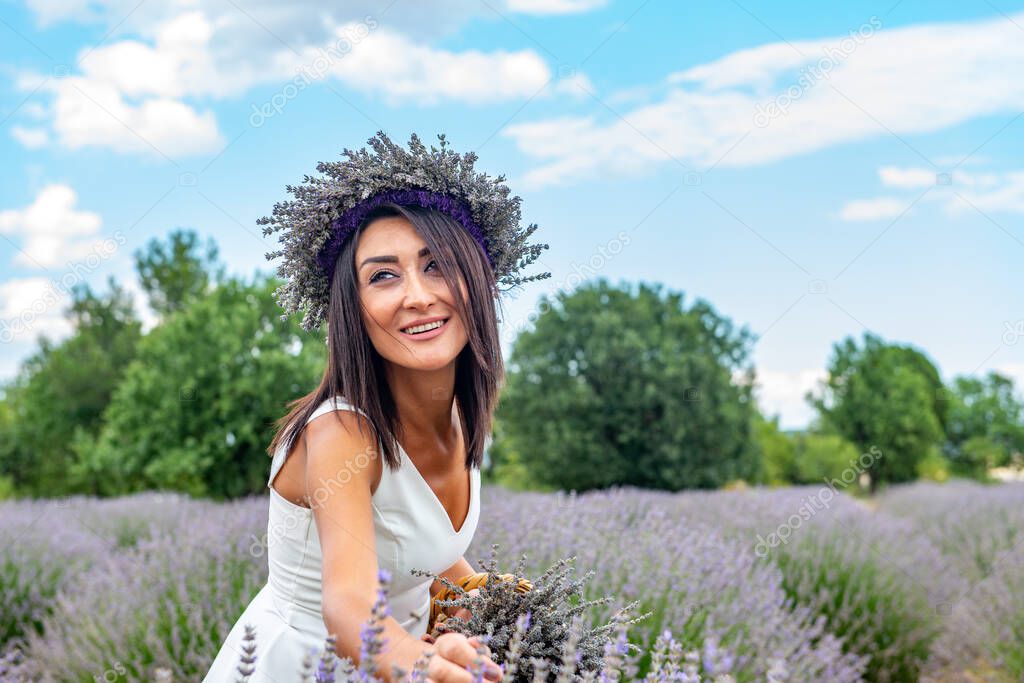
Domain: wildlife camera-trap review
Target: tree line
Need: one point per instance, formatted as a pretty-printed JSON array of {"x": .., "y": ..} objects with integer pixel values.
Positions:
[{"x": 609, "y": 385}]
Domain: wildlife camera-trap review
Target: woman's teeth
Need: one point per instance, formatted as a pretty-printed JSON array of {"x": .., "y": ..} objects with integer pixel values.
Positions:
[{"x": 424, "y": 328}]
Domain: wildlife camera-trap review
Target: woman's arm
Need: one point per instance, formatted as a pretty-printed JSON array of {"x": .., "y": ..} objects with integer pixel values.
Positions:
[{"x": 342, "y": 510}]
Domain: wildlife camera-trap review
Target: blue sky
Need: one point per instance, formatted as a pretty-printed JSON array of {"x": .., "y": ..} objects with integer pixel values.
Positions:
[{"x": 811, "y": 173}]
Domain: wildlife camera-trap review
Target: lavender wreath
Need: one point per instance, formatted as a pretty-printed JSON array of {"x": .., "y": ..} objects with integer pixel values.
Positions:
[{"x": 327, "y": 210}]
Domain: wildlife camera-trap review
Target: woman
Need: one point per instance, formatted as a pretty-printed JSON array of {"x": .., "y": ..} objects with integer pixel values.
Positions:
[{"x": 402, "y": 251}]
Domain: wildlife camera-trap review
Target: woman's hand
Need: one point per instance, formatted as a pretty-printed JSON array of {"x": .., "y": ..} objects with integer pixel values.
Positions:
[{"x": 454, "y": 655}]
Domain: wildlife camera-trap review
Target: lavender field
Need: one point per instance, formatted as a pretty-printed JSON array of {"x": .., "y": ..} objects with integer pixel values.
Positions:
[{"x": 924, "y": 583}]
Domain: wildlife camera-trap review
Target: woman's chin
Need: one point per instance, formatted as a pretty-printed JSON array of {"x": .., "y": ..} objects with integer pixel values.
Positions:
[{"x": 427, "y": 360}]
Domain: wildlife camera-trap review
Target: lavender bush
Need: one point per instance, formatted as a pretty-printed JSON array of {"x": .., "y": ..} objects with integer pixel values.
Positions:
[
  {"x": 146, "y": 587},
  {"x": 980, "y": 530},
  {"x": 39, "y": 552},
  {"x": 699, "y": 584},
  {"x": 877, "y": 583},
  {"x": 154, "y": 603}
]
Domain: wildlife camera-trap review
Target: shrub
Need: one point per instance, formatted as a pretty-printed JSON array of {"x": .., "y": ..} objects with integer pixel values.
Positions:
[
  {"x": 166, "y": 601},
  {"x": 699, "y": 584}
]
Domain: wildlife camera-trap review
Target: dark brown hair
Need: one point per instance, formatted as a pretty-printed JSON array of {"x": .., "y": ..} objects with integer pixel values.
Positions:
[{"x": 355, "y": 370}]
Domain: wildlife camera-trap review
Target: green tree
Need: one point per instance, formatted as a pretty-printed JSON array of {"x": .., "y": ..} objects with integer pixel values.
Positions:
[
  {"x": 985, "y": 426},
  {"x": 61, "y": 390},
  {"x": 195, "y": 410},
  {"x": 808, "y": 457},
  {"x": 174, "y": 273},
  {"x": 875, "y": 398},
  {"x": 777, "y": 450},
  {"x": 820, "y": 458},
  {"x": 616, "y": 386}
]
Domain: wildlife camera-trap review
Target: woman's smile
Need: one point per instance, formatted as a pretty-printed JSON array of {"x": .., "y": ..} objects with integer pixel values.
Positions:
[{"x": 425, "y": 331}]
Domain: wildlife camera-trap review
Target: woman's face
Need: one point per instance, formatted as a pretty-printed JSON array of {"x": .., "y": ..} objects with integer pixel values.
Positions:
[{"x": 399, "y": 287}]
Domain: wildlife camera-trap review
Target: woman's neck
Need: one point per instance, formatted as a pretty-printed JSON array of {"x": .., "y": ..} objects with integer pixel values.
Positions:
[{"x": 425, "y": 401}]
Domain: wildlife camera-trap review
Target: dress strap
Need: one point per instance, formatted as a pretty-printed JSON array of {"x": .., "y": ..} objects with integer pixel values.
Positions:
[{"x": 337, "y": 403}]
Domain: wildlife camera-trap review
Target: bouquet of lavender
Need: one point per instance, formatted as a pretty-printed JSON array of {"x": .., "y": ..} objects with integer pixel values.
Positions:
[
  {"x": 535, "y": 636},
  {"x": 548, "y": 611}
]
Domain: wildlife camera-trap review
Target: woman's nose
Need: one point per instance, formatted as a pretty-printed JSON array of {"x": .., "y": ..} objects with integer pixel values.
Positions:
[{"x": 418, "y": 291}]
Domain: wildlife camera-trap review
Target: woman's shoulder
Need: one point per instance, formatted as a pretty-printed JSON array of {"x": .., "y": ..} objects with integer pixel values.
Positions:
[
  {"x": 334, "y": 403},
  {"x": 349, "y": 432}
]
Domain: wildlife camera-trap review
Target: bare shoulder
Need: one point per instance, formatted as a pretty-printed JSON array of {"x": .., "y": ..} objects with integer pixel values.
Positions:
[{"x": 341, "y": 446}]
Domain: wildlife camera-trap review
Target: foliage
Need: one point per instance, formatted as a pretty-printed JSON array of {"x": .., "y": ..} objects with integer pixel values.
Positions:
[
  {"x": 776, "y": 450},
  {"x": 893, "y": 623},
  {"x": 985, "y": 425},
  {"x": 802, "y": 458},
  {"x": 505, "y": 465},
  {"x": 877, "y": 397},
  {"x": 174, "y": 274},
  {"x": 822, "y": 458},
  {"x": 195, "y": 410},
  {"x": 933, "y": 466},
  {"x": 614, "y": 386},
  {"x": 61, "y": 391},
  {"x": 36, "y": 564}
]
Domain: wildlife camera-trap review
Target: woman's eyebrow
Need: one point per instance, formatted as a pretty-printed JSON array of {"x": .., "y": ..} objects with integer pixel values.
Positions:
[{"x": 390, "y": 259}]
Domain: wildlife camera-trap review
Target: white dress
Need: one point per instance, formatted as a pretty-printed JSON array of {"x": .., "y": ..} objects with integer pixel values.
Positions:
[{"x": 411, "y": 530}]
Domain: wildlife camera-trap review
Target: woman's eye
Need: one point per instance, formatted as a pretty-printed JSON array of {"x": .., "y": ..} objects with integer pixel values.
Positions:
[{"x": 376, "y": 276}]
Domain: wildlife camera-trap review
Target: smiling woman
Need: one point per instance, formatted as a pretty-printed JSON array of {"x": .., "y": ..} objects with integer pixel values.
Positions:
[{"x": 392, "y": 480}]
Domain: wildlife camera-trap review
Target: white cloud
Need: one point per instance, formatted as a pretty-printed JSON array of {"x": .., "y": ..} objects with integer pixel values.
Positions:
[
  {"x": 136, "y": 94},
  {"x": 30, "y": 307},
  {"x": 907, "y": 178},
  {"x": 95, "y": 113},
  {"x": 784, "y": 99},
  {"x": 989, "y": 192},
  {"x": 872, "y": 209},
  {"x": 574, "y": 85},
  {"x": 555, "y": 6},
  {"x": 781, "y": 392},
  {"x": 956, "y": 191},
  {"x": 176, "y": 64},
  {"x": 260, "y": 24},
  {"x": 52, "y": 230},
  {"x": 404, "y": 71},
  {"x": 34, "y": 110},
  {"x": 32, "y": 138}
]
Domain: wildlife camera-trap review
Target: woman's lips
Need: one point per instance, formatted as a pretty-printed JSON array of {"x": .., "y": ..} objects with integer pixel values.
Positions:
[{"x": 429, "y": 334}]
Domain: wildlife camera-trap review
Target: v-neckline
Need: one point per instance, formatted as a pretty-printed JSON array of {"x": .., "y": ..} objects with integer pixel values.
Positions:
[{"x": 433, "y": 496}]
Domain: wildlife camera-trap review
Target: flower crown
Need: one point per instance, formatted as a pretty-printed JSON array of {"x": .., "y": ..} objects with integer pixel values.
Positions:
[{"x": 327, "y": 210}]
